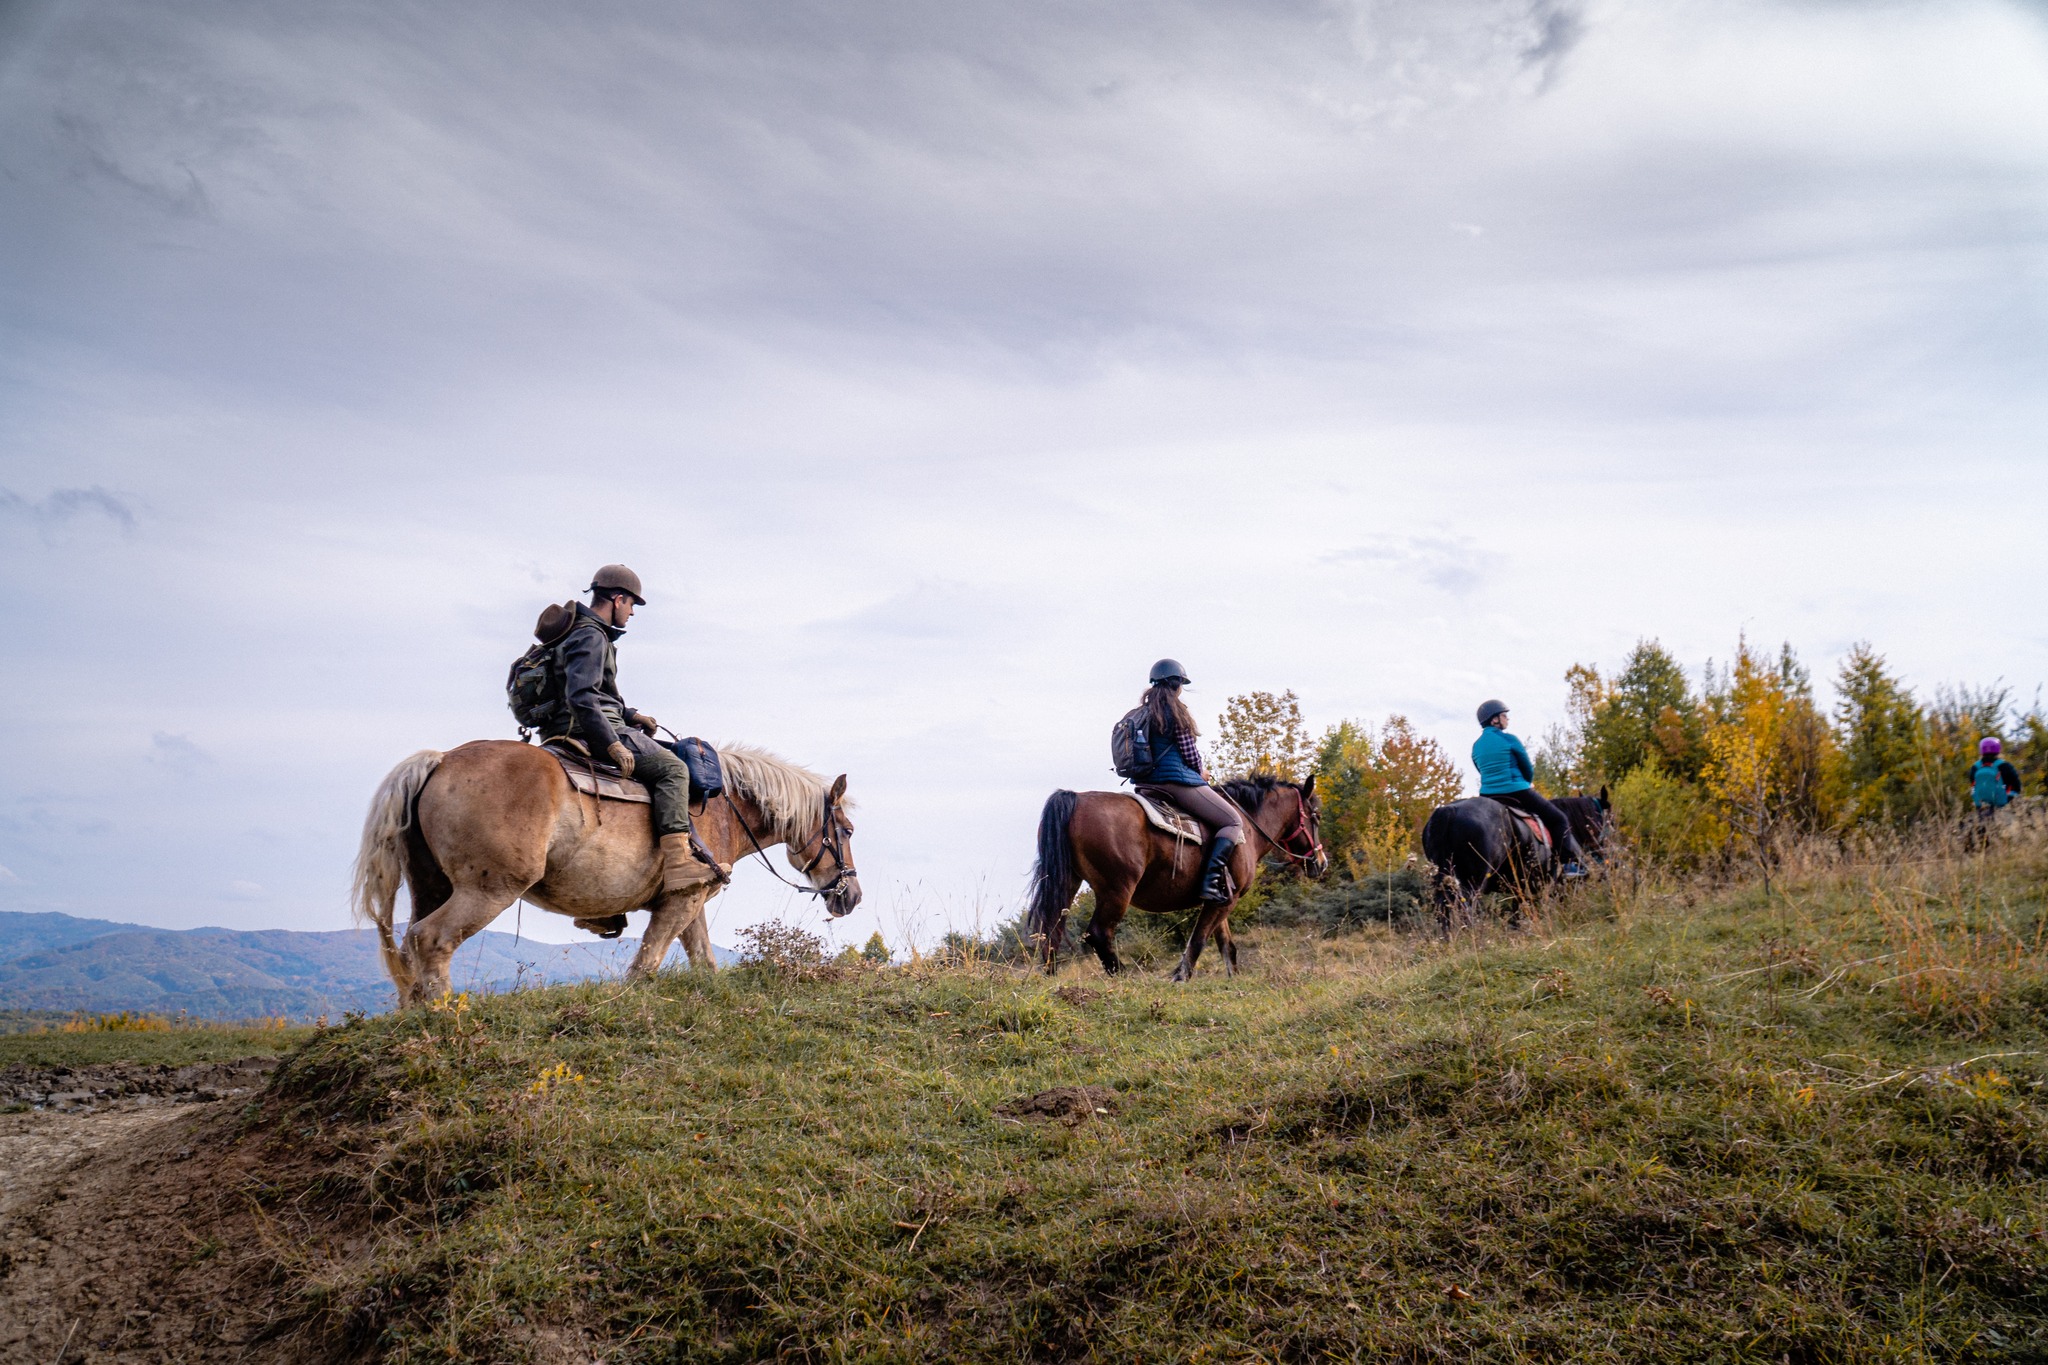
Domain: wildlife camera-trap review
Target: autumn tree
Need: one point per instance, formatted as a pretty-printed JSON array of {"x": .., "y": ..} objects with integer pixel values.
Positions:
[
  {"x": 1879, "y": 723},
  {"x": 1262, "y": 733},
  {"x": 1377, "y": 789},
  {"x": 1647, "y": 711},
  {"x": 1771, "y": 758}
]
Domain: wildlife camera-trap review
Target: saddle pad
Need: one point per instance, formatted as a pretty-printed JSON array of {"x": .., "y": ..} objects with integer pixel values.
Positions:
[
  {"x": 604, "y": 782},
  {"x": 1180, "y": 826},
  {"x": 1533, "y": 825}
]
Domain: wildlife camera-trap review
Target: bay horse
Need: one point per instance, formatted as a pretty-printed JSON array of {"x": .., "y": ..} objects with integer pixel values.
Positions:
[
  {"x": 1104, "y": 839},
  {"x": 1478, "y": 845},
  {"x": 476, "y": 828}
]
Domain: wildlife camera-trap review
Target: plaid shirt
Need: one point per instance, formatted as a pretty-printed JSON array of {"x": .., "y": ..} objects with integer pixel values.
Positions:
[{"x": 1185, "y": 742}]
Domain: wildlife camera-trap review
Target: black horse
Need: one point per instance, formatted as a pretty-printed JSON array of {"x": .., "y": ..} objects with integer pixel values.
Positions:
[{"x": 1478, "y": 845}]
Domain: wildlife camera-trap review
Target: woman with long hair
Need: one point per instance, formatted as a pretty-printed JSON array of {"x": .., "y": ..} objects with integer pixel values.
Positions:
[{"x": 1177, "y": 767}]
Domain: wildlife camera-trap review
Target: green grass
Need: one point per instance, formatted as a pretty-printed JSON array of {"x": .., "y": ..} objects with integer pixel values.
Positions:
[
  {"x": 173, "y": 1047},
  {"x": 1683, "y": 1125}
]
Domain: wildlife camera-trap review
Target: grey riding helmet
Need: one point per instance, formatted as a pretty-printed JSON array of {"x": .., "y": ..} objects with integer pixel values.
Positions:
[
  {"x": 1489, "y": 709},
  {"x": 1169, "y": 670}
]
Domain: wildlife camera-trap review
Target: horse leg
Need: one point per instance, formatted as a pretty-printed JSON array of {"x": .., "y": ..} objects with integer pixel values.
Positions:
[
  {"x": 1055, "y": 933},
  {"x": 430, "y": 943},
  {"x": 1227, "y": 946},
  {"x": 671, "y": 916},
  {"x": 1101, "y": 935},
  {"x": 1205, "y": 924},
  {"x": 697, "y": 940}
]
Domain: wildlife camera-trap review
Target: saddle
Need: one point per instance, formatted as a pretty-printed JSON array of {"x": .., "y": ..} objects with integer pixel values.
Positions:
[
  {"x": 1162, "y": 814},
  {"x": 1533, "y": 826},
  {"x": 594, "y": 776}
]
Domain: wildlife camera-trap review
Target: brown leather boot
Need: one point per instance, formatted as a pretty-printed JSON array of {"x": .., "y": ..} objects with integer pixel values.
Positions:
[{"x": 681, "y": 868}]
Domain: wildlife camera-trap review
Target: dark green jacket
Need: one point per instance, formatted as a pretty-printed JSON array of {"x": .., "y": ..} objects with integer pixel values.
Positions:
[{"x": 590, "y": 681}]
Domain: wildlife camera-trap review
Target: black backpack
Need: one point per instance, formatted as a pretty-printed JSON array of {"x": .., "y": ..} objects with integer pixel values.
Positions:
[
  {"x": 1130, "y": 746},
  {"x": 534, "y": 688}
]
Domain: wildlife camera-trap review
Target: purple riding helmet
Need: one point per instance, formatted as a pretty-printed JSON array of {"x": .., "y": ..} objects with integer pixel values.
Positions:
[{"x": 1989, "y": 747}]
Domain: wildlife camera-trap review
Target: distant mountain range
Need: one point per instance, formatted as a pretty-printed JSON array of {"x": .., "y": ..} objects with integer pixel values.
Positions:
[{"x": 52, "y": 962}]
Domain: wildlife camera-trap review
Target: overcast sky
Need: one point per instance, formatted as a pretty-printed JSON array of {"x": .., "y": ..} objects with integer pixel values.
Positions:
[{"x": 940, "y": 365}]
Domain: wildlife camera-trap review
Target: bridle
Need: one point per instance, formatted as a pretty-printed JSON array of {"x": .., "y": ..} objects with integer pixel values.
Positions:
[
  {"x": 1299, "y": 827},
  {"x": 831, "y": 840}
]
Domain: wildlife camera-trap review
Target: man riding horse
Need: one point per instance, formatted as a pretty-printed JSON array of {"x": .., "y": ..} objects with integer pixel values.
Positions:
[{"x": 598, "y": 716}]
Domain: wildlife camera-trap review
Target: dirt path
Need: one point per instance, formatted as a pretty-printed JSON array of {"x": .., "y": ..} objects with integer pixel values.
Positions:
[{"x": 126, "y": 1230}]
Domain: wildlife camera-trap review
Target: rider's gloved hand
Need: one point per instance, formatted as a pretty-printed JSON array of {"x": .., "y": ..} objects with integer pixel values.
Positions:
[
  {"x": 621, "y": 757},
  {"x": 645, "y": 722}
]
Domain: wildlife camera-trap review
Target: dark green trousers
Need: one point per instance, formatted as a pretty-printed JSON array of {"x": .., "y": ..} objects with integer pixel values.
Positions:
[{"x": 667, "y": 779}]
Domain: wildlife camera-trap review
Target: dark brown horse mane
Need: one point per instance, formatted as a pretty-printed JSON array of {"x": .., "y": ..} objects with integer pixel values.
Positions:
[{"x": 1251, "y": 792}]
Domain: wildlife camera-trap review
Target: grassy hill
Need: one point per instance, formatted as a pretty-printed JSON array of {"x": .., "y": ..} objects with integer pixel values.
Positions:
[{"x": 1679, "y": 1123}]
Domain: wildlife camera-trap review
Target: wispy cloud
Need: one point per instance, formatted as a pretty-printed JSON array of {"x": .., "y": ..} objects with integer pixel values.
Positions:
[
  {"x": 1454, "y": 564},
  {"x": 64, "y": 507},
  {"x": 178, "y": 753}
]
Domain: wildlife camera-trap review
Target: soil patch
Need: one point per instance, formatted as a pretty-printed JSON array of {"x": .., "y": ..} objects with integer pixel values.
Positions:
[
  {"x": 99, "y": 1085},
  {"x": 141, "y": 1224},
  {"x": 1068, "y": 1104}
]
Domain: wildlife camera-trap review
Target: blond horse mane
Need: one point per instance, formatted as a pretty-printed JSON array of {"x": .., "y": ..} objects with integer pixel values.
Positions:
[{"x": 790, "y": 798}]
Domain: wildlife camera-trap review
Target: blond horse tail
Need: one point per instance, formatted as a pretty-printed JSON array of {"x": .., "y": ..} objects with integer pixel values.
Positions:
[{"x": 380, "y": 861}]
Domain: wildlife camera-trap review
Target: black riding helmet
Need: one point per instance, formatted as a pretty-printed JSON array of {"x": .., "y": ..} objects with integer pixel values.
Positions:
[
  {"x": 1169, "y": 670},
  {"x": 1489, "y": 709}
]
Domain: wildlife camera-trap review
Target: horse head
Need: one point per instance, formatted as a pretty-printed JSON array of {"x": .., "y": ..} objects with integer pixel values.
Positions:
[
  {"x": 1312, "y": 826},
  {"x": 830, "y": 867}
]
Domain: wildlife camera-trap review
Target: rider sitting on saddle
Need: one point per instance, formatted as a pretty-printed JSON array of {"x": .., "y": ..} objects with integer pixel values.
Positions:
[
  {"x": 1177, "y": 766},
  {"x": 609, "y": 728},
  {"x": 1506, "y": 775}
]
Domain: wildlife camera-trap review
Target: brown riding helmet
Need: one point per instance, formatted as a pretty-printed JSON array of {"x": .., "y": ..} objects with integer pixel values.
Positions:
[{"x": 618, "y": 578}]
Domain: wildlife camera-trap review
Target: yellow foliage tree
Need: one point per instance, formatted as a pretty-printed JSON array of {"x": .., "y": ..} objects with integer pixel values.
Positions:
[
  {"x": 1262, "y": 733},
  {"x": 1772, "y": 762}
]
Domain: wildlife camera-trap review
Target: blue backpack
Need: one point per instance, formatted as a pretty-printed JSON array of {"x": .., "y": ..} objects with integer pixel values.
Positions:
[{"x": 1988, "y": 786}]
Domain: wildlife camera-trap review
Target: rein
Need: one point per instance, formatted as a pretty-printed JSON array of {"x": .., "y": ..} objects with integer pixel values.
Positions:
[
  {"x": 1300, "y": 825},
  {"x": 829, "y": 841}
]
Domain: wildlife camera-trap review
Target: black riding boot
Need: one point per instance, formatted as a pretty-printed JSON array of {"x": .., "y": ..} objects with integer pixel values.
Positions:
[{"x": 1216, "y": 872}]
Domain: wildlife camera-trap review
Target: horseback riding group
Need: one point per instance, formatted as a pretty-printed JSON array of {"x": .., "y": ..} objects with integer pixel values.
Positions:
[{"x": 603, "y": 817}]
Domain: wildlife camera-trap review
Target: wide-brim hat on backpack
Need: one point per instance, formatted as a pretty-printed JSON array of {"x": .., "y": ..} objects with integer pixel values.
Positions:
[
  {"x": 618, "y": 578},
  {"x": 554, "y": 623}
]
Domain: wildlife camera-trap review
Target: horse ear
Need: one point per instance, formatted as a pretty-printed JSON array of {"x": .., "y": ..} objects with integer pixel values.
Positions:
[
  {"x": 1308, "y": 788},
  {"x": 839, "y": 786}
]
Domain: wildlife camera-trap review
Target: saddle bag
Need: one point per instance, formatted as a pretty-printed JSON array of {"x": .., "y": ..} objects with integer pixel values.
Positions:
[
  {"x": 707, "y": 774},
  {"x": 1130, "y": 746}
]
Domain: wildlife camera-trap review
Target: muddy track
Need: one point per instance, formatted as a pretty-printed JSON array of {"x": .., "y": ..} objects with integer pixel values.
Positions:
[{"x": 142, "y": 1219}]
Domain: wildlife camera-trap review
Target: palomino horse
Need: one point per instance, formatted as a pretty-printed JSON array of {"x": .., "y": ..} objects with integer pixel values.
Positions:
[
  {"x": 1104, "y": 839},
  {"x": 1478, "y": 845},
  {"x": 479, "y": 827}
]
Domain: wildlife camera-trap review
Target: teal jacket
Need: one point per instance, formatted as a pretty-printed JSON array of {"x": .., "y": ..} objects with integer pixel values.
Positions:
[{"x": 1503, "y": 763}]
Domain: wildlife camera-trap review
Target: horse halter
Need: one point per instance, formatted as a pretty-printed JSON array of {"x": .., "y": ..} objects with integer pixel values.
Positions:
[
  {"x": 1298, "y": 827},
  {"x": 830, "y": 840}
]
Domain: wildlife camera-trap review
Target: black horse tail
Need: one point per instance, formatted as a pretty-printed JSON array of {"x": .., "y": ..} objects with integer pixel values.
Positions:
[{"x": 1056, "y": 877}]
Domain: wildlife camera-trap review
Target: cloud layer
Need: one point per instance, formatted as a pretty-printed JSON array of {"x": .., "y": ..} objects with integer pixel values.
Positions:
[{"x": 939, "y": 366}]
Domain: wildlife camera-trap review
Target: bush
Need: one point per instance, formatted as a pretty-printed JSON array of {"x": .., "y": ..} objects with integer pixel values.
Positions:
[
  {"x": 1667, "y": 821},
  {"x": 1345, "y": 905}
]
